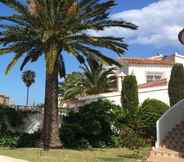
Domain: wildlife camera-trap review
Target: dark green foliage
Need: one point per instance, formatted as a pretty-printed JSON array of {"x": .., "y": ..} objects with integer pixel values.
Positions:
[
  {"x": 72, "y": 86},
  {"x": 129, "y": 95},
  {"x": 93, "y": 79},
  {"x": 28, "y": 77},
  {"x": 10, "y": 121},
  {"x": 10, "y": 117},
  {"x": 143, "y": 121},
  {"x": 91, "y": 126},
  {"x": 29, "y": 140},
  {"x": 96, "y": 78},
  {"x": 176, "y": 84},
  {"x": 8, "y": 139},
  {"x": 73, "y": 136},
  {"x": 150, "y": 111},
  {"x": 130, "y": 139},
  {"x": 154, "y": 105}
]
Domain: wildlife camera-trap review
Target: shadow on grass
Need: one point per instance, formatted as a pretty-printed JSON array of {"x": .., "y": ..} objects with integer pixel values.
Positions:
[
  {"x": 122, "y": 158},
  {"x": 131, "y": 156},
  {"x": 112, "y": 159}
]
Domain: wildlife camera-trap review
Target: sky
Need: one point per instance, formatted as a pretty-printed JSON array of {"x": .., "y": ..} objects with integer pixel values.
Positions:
[{"x": 159, "y": 22}]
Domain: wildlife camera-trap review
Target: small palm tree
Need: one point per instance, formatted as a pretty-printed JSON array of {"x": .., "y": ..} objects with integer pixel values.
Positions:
[
  {"x": 72, "y": 86},
  {"x": 28, "y": 77},
  {"x": 96, "y": 79},
  {"x": 93, "y": 79}
]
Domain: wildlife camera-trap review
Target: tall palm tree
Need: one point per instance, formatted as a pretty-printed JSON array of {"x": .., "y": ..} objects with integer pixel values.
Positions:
[
  {"x": 28, "y": 77},
  {"x": 50, "y": 27}
]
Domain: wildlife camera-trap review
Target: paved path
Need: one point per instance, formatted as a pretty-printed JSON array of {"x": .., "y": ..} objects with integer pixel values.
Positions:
[{"x": 8, "y": 159}]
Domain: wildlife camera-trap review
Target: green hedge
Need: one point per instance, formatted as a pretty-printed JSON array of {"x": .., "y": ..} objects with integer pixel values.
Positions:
[{"x": 92, "y": 126}]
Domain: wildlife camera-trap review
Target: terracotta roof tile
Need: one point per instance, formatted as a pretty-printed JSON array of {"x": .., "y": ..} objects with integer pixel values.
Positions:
[
  {"x": 157, "y": 83},
  {"x": 143, "y": 61}
]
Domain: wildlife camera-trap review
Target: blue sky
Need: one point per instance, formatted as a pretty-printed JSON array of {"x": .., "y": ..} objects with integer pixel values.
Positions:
[{"x": 158, "y": 21}]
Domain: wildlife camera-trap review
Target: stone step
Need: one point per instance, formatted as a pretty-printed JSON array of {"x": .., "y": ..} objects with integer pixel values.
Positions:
[
  {"x": 165, "y": 155},
  {"x": 164, "y": 159}
]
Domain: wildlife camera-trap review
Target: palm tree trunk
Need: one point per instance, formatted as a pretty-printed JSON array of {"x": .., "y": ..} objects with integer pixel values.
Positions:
[
  {"x": 27, "y": 98},
  {"x": 51, "y": 138}
]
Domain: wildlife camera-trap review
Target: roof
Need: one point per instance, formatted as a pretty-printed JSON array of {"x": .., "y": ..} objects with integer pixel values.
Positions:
[
  {"x": 4, "y": 96},
  {"x": 144, "y": 61},
  {"x": 157, "y": 83}
]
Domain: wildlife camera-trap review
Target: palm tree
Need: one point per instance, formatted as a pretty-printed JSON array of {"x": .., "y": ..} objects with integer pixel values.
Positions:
[
  {"x": 72, "y": 86},
  {"x": 50, "y": 27},
  {"x": 93, "y": 79},
  {"x": 96, "y": 79},
  {"x": 28, "y": 77}
]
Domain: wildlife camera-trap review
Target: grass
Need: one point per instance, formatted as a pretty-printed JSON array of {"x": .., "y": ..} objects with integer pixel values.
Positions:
[{"x": 94, "y": 155}]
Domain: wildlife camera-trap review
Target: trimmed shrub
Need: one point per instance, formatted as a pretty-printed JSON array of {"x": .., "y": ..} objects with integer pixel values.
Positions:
[
  {"x": 139, "y": 127},
  {"x": 176, "y": 84},
  {"x": 92, "y": 126},
  {"x": 129, "y": 94},
  {"x": 154, "y": 105},
  {"x": 144, "y": 121}
]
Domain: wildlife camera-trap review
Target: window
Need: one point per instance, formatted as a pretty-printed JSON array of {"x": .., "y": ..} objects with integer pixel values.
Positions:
[{"x": 150, "y": 77}]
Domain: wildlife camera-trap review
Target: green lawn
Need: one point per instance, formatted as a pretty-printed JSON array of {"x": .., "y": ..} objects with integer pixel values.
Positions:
[{"x": 94, "y": 155}]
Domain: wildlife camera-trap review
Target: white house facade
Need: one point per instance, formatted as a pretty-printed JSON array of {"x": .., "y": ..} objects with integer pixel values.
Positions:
[{"x": 152, "y": 74}]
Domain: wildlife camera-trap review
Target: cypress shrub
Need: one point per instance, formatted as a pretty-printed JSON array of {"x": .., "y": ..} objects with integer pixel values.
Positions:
[
  {"x": 129, "y": 94},
  {"x": 176, "y": 84}
]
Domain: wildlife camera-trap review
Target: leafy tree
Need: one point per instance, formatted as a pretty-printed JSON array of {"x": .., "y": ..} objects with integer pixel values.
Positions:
[
  {"x": 40, "y": 27},
  {"x": 176, "y": 84},
  {"x": 28, "y": 77},
  {"x": 129, "y": 95}
]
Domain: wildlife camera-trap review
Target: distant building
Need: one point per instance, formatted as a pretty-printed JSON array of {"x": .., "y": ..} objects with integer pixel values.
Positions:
[{"x": 4, "y": 100}]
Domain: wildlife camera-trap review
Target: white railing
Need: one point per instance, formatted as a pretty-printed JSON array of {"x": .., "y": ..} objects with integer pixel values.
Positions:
[{"x": 168, "y": 121}]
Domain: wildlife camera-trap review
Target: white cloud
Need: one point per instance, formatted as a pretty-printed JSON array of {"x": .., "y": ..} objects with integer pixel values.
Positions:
[{"x": 159, "y": 24}]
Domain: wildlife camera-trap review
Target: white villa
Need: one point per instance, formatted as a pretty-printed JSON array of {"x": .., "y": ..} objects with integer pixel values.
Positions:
[{"x": 152, "y": 73}]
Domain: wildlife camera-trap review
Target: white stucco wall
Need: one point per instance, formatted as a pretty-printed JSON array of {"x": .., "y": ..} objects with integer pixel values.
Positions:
[
  {"x": 140, "y": 71},
  {"x": 179, "y": 59},
  {"x": 114, "y": 97},
  {"x": 159, "y": 93}
]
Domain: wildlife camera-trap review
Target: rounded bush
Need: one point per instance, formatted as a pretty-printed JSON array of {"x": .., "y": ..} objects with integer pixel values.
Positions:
[
  {"x": 150, "y": 111},
  {"x": 92, "y": 125},
  {"x": 154, "y": 105}
]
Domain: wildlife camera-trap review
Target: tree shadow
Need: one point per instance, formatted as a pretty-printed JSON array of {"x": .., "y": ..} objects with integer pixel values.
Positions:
[
  {"x": 112, "y": 159},
  {"x": 121, "y": 158}
]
